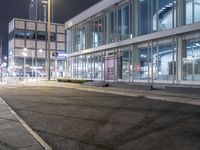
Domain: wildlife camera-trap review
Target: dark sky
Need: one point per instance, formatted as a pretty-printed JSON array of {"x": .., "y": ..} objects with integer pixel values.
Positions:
[{"x": 63, "y": 10}]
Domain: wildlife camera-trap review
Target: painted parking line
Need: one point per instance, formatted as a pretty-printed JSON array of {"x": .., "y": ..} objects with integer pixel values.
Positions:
[{"x": 26, "y": 126}]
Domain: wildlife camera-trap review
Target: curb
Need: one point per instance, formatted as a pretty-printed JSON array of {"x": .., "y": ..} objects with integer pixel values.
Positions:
[
  {"x": 26, "y": 126},
  {"x": 161, "y": 98}
]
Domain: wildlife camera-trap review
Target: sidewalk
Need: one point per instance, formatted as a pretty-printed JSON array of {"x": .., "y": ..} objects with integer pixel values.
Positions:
[
  {"x": 155, "y": 94},
  {"x": 14, "y": 135}
]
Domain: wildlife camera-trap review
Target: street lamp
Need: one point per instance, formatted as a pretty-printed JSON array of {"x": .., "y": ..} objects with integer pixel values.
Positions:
[
  {"x": 40, "y": 50},
  {"x": 49, "y": 36}
]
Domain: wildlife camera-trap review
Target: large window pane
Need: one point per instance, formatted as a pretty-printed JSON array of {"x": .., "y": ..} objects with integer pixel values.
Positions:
[
  {"x": 41, "y": 36},
  {"x": 80, "y": 67},
  {"x": 20, "y": 34},
  {"x": 165, "y": 14},
  {"x": 98, "y": 66},
  {"x": 111, "y": 27},
  {"x": 30, "y": 35},
  {"x": 141, "y": 64},
  {"x": 191, "y": 60},
  {"x": 196, "y": 10},
  {"x": 124, "y": 64},
  {"x": 192, "y": 11},
  {"x": 89, "y": 40},
  {"x": 163, "y": 62},
  {"x": 123, "y": 22},
  {"x": 143, "y": 17}
]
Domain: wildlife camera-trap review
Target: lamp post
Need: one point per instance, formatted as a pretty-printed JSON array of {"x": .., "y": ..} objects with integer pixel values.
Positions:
[
  {"x": 1, "y": 72},
  {"x": 49, "y": 36}
]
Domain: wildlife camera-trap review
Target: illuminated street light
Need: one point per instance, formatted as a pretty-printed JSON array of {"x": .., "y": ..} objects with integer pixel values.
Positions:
[{"x": 40, "y": 50}]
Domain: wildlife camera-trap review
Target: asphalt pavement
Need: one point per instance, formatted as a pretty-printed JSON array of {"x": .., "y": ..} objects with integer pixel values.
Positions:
[{"x": 73, "y": 119}]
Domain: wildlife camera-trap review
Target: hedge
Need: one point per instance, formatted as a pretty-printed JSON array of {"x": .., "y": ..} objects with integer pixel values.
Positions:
[{"x": 73, "y": 81}]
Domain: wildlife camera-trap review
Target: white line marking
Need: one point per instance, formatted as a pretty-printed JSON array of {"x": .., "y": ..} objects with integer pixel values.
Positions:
[{"x": 33, "y": 133}]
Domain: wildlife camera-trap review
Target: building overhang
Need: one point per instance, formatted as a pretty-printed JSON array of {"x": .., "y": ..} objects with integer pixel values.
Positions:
[{"x": 93, "y": 10}]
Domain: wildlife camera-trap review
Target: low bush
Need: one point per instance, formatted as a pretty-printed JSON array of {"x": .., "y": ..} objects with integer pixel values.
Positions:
[{"x": 79, "y": 81}]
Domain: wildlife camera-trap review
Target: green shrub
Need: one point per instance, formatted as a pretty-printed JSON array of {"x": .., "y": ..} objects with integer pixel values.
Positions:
[{"x": 73, "y": 81}]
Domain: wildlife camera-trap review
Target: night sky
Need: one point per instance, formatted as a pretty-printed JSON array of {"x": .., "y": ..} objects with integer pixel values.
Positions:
[{"x": 63, "y": 10}]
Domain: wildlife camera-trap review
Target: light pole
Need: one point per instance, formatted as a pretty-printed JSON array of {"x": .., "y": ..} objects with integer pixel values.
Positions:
[
  {"x": 49, "y": 36},
  {"x": 1, "y": 72}
]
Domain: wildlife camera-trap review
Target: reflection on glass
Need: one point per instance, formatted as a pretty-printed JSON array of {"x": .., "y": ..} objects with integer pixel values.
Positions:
[
  {"x": 192, "y": 11},
  {"x": 97, "y": 64},
  {"x": 196, "y": 10},
  {"x": 89, "y": 66},
  {"x": 141, "y": 64},
  {"x": 143, "y": 17},
  {"x": 124, "y": 65},
  {"x": 80, "y": 67},
  {"x": 163, "y": 62},
  {"x": 191, "y": 61},
  {"x": 165, "y": 14}
]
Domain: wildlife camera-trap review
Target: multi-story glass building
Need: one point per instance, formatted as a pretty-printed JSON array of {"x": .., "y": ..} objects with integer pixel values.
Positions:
[
  {"x": 38, "y": 10},
  {"x": 28, "y": 48},
  {"x": 150, "y": 41}
]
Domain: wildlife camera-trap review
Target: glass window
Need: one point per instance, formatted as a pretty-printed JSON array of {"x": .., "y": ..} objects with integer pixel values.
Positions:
[
  {"x": 111, "y": 27},
  {"x": 97, "y": 66},
  {"x": 97, "y": 34},
  {"x": 30, "y": 35},
  {"x": 74, "y": 67},
  {"x": 41, "y": 36},
  {"x": 89, "y": 66},
  {"x": 81, "y": 68},
  {"x": 191, "y": 60},
  {"x": 89, "y": 40},
  {"x": 80, "y": 37},
  {"x": 141, "y": 64},
  {"x": 11, "y": 35},
  {"x": 165, "y": 14},
  {"x": 53, "y": 36},
  {"x": 69, "y": 41},
  {"x": 189, "y": 11},
  {"x": 163, "y": 63},
  {"x": 124, "y": 65},
  {"x": 196, "y": 10},
  {"x": 192, "y": 11},
  {"x": 20, "y": 34},
  {"x": 123, "y": 22},
  {"x": 143, "y": 17}
]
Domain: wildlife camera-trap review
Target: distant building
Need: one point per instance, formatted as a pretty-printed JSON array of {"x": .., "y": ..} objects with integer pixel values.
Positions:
[
  {"x": 28, "y": 48},
  {"x": 38, "y": 10}
]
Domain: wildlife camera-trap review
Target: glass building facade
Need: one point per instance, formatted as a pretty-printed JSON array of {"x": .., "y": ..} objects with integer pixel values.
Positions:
[{"x": 136, "y": 41}]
